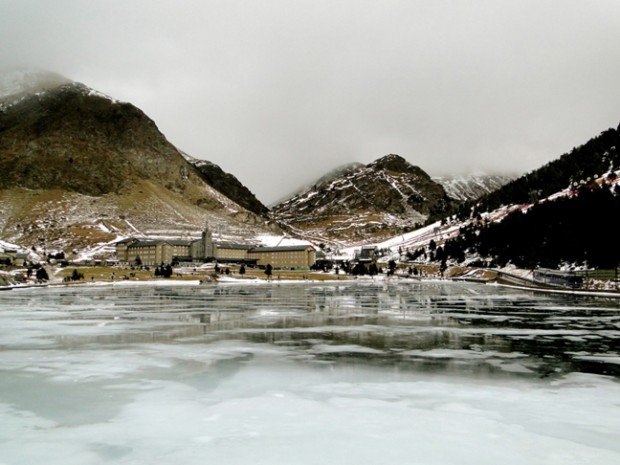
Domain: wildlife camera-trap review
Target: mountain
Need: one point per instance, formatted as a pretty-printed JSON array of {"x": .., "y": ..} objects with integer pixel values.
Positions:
[
  {"x": 561, "y": 213},
  {"x": 228, "y": 184},
  {"x": 329, "y": 176},
  {"x": 472, "y": 186},
  {"x": 571, "y": 226},
  {"x": 364, "y": 202},
  {"x": 79, "y": 168},
  {"x": 574, "y": 226},
  {"x": 16, "y": 84},
  {"x": 590, "y": 160}
]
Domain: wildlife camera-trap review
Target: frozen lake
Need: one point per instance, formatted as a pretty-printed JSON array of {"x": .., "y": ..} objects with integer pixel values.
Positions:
[{"x": 309, "y": 373}]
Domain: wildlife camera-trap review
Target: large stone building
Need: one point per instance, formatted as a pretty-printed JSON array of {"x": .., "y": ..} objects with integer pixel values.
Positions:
[
  {"x": 296, "y": 256},
  {"x": 231, "y": 252},
  {"x": 145, "y": 252},
  {"x": 156, "y": 252}
]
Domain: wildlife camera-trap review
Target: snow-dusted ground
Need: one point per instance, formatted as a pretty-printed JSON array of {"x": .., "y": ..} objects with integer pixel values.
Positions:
[
  {"x": 274, "y": 240},
  {"x": 7, "y": 246},
  {"x": 472, "y": 186},
  {"x": 442, "y": 232},
  {"x": 359, "y": 373}
]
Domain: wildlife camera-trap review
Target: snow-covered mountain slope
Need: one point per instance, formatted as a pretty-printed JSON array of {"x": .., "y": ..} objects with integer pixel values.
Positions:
[
  {"x": 328, "y": 177},
  {"x": 570, "y": 204},
  {"x": 600, "y": 154},
  {"x": 450, "y": 228},
  {"x": 372, "y": 201},
  {"x": 472, "y": 186},
  {"x": 79, "y": 168}
]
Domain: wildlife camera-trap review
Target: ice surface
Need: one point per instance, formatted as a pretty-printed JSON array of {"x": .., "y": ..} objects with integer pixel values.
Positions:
[{"x": 307, "y": 374}]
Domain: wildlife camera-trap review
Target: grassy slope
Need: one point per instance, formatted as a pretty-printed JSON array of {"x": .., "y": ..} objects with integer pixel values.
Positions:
[{"x": 68, "y": 219}]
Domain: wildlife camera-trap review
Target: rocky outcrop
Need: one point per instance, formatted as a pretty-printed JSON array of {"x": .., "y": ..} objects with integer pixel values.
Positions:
[
  {"x": 329, "y": 176},
  {"x": 73, "y": 138},
  {"x": 372, "y": 201},
  {"x": 228, "y": 184},
  {"x": 472, "y": 186}
]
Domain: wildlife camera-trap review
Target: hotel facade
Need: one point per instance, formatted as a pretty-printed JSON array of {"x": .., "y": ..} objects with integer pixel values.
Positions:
[{"x": 136, "y": 251}]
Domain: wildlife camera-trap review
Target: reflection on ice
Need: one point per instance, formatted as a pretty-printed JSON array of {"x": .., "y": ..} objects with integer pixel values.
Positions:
[{"x": 438, "y": 373}]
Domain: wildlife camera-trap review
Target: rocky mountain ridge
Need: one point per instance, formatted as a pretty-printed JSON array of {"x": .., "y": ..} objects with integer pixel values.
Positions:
[
  {"x": 599, "y": 155},
  {"x": 329, "y": 176},
  {"x": 560, "y": 214},
  {"x": 367, "y": 202},
  {"x": 472, "y": 186},
  {"x": 228, "y": 184}
]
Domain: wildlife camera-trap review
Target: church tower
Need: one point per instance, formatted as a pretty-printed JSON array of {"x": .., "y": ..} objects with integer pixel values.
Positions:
[{"x": 207, "y": 241}]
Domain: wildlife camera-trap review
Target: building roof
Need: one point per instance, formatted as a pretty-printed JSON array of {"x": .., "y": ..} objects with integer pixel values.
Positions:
[
  {"x": 128, "y": 240},
  {"x": 549, "y": 272},
  {"x": 232, "y": 246},
  {"x": 146, "y": 243},
  {"x": 152, "y": 242},
  {"x": 181, "y": 242},
  {"x": 289, "y": 248}
]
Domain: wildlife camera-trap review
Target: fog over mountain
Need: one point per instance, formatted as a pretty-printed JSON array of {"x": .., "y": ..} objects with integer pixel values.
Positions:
[
  {"x": 279, "y": 93},
  {"x": 20, "y": 82},
  {"x": 79, "y": 168}
]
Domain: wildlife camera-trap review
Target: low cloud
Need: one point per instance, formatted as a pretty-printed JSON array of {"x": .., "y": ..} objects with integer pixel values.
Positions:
[{"x": 279, "y": 92}]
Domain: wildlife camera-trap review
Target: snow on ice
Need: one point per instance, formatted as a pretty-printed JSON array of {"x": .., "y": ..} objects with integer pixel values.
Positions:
[{"x": 370, "y": 373}]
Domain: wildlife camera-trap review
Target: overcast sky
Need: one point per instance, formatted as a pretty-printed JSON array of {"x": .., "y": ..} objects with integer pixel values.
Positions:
[{"x": 279, "y": 92}]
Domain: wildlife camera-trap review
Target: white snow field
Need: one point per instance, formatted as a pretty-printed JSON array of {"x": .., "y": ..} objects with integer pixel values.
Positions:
[{"x": 308, "y": 373}]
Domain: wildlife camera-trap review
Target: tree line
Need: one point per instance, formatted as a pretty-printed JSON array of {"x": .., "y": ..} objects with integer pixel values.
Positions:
[{"x": 580, "y": 228}]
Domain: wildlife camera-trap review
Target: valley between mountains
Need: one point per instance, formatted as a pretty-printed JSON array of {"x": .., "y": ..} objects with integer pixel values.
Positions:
[{"x": 80, "y": 170}]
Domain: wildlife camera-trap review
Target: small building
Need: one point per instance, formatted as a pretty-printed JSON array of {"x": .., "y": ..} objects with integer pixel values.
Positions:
[
  {"x": 102, "y": 260},
  {"x": 20, "y": 259},
  {"x": 10, "y": 257},
  {"x": 367, "y": 253},
  {"x": 568, "y": 279},
  {"x": 321, "y": 260},
  {"x": 7, "y": 257}
]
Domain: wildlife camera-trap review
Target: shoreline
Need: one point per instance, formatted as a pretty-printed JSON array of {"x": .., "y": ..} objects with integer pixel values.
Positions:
[
  {"x": 233, "y": 281},
  {"x": 594, "y": 293}
]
